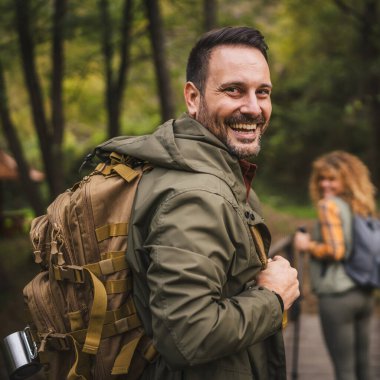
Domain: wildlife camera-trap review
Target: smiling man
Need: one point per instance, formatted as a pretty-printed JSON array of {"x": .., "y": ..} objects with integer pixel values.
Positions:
[
  {"x": 204, "y": 289},
  {"x": 234, "y": 104}
]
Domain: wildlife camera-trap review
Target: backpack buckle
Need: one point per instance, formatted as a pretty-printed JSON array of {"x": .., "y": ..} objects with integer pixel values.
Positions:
[
  {"x": 59, "y": 342},
  {"x": 72, "y": 273}
]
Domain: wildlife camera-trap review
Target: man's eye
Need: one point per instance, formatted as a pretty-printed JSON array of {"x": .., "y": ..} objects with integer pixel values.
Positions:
[
  {"x": 232, "y": 90},
  {"x": 264, "y": 91}
]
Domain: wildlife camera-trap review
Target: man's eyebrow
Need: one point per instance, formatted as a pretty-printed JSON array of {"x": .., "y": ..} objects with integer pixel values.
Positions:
[
  {"x": 234, "y": 83},
  {"x": 242, "y": 83}
]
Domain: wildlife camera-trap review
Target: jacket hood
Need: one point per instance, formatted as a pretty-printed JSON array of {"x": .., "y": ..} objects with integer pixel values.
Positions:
[{"x": 182, "y": 144}]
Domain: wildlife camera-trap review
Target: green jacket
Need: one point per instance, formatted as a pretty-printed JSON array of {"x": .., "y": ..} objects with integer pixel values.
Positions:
[{"x": 194, "y": 260}]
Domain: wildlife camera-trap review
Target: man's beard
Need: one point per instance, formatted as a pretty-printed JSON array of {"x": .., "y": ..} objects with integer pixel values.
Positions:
[{"x": 245, "y": 149}]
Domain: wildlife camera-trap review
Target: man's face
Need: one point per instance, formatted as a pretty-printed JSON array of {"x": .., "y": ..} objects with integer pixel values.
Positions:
[{"x": 236, "y": 104}]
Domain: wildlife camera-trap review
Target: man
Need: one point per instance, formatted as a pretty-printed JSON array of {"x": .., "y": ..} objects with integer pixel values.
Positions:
[{"x": 198, "y": 245}]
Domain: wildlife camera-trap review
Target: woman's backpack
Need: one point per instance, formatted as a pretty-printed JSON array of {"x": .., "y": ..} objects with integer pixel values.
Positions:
[
  {"x": 82, "y": 314},
  {"x": 363, "y": 264}
]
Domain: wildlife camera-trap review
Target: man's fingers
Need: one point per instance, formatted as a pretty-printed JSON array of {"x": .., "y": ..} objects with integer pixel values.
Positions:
[{"x": 281, "y": 258}]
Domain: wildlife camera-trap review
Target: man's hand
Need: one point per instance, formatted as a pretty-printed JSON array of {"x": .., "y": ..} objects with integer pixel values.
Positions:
[{"x": 281, "y": 278}]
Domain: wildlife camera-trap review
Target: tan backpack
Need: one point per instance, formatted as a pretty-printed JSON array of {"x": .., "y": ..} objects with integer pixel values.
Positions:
[{"x": 82, "y": 314}]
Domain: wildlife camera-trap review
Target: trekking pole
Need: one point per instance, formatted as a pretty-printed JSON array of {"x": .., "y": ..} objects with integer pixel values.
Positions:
[{"x": 297, "y": 310}]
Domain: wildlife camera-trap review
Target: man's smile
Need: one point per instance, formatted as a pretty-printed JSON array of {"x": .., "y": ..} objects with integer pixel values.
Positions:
[{"x": 244, "y": 127}]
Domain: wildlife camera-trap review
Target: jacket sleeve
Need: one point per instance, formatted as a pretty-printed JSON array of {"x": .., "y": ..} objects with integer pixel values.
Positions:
[
  {"x": 197, "y": 244},
  {"x": 332, "y": 245}
]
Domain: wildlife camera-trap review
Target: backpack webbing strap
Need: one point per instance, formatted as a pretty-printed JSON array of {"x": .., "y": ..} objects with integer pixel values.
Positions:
[
  {"x": 126, "y": 172},
  {"x": 143, "y": 354},
  {"x": 118, "y": 327},
  {"x": 81, "y": 364},
  {"x": 74, "y": 273},
  {"x": 80, "y": 370},
  {"x": 111, "y": 230},
  {"x": 150, "y": 353},
  {"x": 112, "y": 254},
  {"x": 259, "y": 244},
  {"x": 128, "y": 308},
  {"x": 116, "y": 322},
  {"x": 123, "y": 170},
  {"x": 108, "y": 266},
  {"x": 97, "y": 315},
  {"x": 118, "y": 286},
  {"x": 124, "y": 359},
  {"x": 77, "y": 322}
]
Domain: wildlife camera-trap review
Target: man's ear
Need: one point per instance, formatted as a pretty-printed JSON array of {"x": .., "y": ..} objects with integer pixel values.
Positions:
[{"x": 192, "y": 99}]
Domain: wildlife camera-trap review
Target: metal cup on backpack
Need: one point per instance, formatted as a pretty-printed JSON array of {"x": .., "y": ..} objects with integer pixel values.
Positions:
[{"x": 20, "y": 355}]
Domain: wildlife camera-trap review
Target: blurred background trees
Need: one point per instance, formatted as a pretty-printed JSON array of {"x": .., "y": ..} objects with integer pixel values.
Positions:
[{"x": 75, "y": 73}]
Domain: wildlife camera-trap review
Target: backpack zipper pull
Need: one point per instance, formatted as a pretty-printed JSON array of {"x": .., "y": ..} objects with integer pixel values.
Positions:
[
  {"x": 44, "y": 340},
  {"x": 54, "y": 251},
  {"x": 61, "y": 259},
  {"x": 54, "y": 248},
  {"x": 37, "y": 257}
]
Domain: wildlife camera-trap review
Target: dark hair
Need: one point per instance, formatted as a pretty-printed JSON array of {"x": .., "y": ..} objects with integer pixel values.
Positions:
[{"x": 197, "y": 64}]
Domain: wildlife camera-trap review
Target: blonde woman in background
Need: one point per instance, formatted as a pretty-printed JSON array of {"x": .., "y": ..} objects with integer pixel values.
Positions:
[{"x": 340, "y": 186}]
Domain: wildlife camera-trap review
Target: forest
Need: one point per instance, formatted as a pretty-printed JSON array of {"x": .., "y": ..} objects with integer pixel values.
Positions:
[{"x": 74, "y": 73}]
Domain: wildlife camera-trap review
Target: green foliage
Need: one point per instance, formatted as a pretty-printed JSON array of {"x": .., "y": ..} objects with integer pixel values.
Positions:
[
  {"x": 15, "y": 251},
  {"x": 316, "y": 71},
  {"x": 317, "y": 81}
]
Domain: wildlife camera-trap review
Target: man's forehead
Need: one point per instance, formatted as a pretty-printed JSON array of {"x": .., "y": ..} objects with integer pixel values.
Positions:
[
  {"x": 234, "y": 53},
  {"x": 238, "y": 63}
]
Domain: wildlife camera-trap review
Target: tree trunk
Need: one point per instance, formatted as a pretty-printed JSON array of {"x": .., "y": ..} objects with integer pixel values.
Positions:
[
  {"x": 210, "y": 8},
  {"x": 34, "y": 90},
  {"x": 30, "y": 187},
  {"x": 370, "y": 52},
  {"x": 160, "y": 61},
  {"x": 121, "y": 78},
  {"x": 112, "y": 124},
  {"x": 56, "y": 91},
  {"x": 115, "y": 82},
  {"x": 366, "y": 21}
]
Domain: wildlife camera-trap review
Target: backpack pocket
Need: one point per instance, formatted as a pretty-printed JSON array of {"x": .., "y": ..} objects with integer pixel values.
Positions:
[{"x": 45, "y": 305}]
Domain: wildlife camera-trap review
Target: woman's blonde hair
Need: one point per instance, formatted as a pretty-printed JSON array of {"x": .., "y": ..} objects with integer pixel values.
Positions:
[{"x": 359, "y": 191}]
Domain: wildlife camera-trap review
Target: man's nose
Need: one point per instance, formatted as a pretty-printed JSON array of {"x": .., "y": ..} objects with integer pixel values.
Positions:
[{"x": 251, "y": 105}]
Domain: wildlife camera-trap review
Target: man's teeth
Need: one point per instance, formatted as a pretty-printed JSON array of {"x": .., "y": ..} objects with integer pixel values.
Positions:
[{"x": 245, "y": 127}]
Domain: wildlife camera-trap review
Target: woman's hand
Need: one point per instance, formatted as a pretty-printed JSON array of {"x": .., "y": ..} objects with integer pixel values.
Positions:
[{"x": 301, "y": 241}]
